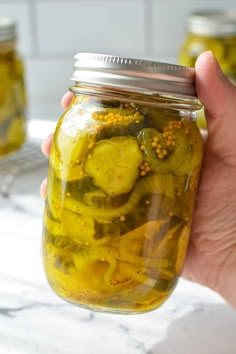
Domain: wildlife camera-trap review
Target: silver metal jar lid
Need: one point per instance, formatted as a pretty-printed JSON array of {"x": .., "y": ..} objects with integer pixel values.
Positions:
[
  {"x": 213, "y": 23},
  {"x": 134, "y": 74},
  {"x": 7, "y": 29}
]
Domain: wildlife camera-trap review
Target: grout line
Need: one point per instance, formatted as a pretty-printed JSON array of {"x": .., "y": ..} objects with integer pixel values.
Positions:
[
  {"x": 12, "y": 1},
  {"x": 148, "y": 33},
  {"x": 70, "y": 55},
  {"x": 40, "y": 1},
  {"x": 75, "y": 0},
  {"x": 33, "y": 27},
  {"x": 58, "y": 56}
]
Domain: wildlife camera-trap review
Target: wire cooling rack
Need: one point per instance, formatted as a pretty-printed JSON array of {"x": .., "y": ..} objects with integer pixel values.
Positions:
[{"x": 23, "y": 161}]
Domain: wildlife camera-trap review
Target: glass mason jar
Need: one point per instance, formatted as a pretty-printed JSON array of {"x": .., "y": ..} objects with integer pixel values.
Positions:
[
  {"x": 122, "y": 181},
  {"x": 215, "y": 31},
  {"x": 12, "y": 91}
]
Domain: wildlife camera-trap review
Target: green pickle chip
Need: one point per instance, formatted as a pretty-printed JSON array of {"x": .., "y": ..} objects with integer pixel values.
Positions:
[{"x": 114, "y": 165}]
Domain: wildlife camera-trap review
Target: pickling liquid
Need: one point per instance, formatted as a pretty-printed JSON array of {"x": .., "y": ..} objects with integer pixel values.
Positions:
[
  {"x": 121, "y": 192},
  {"x": 12, "y": 102}
]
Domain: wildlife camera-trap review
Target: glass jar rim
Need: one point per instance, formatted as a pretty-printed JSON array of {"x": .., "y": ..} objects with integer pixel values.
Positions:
[
  {"x": 7, "y": 29},
  {"x": 137, "y": 75},
  {"x": 213, "y": 23}
]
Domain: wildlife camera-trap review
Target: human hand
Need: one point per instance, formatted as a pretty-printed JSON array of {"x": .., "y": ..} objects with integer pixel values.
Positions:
[
  {"x": 46, "y": 146},
  {"x": 211, "y": 257}
]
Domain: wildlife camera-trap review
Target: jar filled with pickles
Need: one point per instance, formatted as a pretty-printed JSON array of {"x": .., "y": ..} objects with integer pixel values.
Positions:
[
  {"x": 215, "y": 31},
  {"x": 12, "y": 91},
  {"x": 122, "y": 182}
]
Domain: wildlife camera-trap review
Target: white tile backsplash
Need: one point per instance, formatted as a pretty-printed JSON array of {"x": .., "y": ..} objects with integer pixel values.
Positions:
[
  {"x": 100, "y": 26},
  {"x": 52, "y": 31},
  {"x": 47, "y": 79}
]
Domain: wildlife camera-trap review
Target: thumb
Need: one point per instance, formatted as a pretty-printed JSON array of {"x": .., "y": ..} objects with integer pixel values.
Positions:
[{"x": 218, "y": 96}]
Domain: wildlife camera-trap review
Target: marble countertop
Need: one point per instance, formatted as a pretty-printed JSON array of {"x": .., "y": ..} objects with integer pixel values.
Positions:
[{"x": 33, "y": 320}]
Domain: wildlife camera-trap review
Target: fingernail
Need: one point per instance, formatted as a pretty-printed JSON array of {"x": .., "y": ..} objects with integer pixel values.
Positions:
[{"x": 214, "y": 61}]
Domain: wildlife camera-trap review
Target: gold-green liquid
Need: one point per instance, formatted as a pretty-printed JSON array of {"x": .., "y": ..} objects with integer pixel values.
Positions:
[
  {"x": 121, "y": 190},
  {"x": 12, "y": 102}
]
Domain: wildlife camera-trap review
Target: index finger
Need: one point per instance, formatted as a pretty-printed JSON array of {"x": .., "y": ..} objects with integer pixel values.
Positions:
[
  {"x": 46, "y": 145},
  {"x": 66, "y": 99}
]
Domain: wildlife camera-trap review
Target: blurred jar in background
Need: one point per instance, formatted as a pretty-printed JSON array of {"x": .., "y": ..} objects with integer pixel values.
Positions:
[
  {"x": 215, "y": 31},
  {"x": 12, "y": 91}
]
